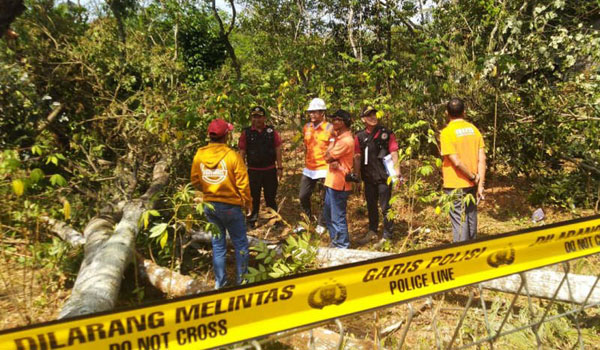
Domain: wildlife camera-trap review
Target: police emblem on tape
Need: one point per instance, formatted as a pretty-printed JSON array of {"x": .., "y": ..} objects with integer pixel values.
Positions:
[
  {"x": 502, "y": 257},
  {"x": 331, "y": 294}
]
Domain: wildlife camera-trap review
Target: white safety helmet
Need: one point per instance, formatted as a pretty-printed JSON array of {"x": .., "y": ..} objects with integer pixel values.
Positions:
[{"x": 317, "y": 104}]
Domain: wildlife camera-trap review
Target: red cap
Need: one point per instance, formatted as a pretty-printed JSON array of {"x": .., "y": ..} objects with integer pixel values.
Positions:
[{"x": 218, "y": 128}]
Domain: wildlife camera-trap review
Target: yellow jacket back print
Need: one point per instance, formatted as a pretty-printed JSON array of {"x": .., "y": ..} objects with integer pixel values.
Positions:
[{"x": 220, "y": 173}]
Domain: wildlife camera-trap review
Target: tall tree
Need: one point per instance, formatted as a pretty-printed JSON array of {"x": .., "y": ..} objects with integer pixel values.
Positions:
[{"x": 225, "y": 35}]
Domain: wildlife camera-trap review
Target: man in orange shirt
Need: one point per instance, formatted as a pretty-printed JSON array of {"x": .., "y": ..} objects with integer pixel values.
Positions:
[
  {"x": 339, "y": 157},
  {"x": 220, "y": 173},
  {"x": 463, "y": 169},
  {"x": 317, "y": 137}
]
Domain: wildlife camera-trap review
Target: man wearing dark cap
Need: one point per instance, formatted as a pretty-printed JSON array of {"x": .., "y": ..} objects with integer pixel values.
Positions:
[
  {"x": 339, "y": 157},
  {"x": 260, "y": 145},
  {"x": 463, "y": 169},
  {"x": 220, "y": 173},
  {"x": 376, "y": 156}
]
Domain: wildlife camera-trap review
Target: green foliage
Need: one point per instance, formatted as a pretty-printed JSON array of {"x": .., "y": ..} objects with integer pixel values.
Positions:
[
  {"x": 297, "y": 255},
  {"x": 173, "y": 221},
  {"x": 203, "y": 50},
  {"x": 531, "y": 79}
]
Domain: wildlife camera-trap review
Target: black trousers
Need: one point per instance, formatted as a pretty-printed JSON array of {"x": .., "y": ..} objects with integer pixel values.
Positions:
[
  {"x": 262, "y": 180},
  {"x": 381, "y": 193},
  {"x": 307, "y": 186}
]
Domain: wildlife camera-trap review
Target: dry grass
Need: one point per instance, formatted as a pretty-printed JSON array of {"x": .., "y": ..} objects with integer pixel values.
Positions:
[{"x": 30, "y": 293}]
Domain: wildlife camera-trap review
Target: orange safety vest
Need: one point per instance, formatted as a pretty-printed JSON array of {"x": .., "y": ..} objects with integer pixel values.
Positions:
[{"x": 316, "y": 141}]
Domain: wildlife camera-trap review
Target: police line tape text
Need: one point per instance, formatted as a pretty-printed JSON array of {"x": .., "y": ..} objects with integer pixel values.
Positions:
[
  {"x": 582, "y": 243},
  {"x": 93, "y": 332},
  {"x": 407, "y": 284},
  {"x": 547, "y": 238},
  {"x": 411, "y": 266},
  {"x": 184, "y": 336}
]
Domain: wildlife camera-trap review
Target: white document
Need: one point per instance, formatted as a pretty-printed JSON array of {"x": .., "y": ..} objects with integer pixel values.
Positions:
[{"x": 389, "y": 165}]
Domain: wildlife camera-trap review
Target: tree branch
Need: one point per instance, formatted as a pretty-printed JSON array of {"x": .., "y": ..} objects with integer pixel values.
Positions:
[
  {"x": 232, "y": 18},
  {"x": 55, "y": 112},
  {"x": 64, "y": 231},
  {"x": 225, "y": 37}
]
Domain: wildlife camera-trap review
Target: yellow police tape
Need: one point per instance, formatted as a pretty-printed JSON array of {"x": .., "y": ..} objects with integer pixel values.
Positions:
[{"x": 218, "y": 318}]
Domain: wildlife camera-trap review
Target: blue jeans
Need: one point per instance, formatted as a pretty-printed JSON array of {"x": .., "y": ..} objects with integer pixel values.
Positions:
[
  {"x": 228, "y": 217},
  {"x": 462, "y": 216},
  {"x": 334, "y": 215}
]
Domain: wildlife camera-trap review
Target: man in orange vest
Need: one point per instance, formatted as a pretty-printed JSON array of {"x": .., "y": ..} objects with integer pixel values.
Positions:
[
  {"x": 317, "y": 136},
  {"x": 220, "y": 173},
  {"x": 463, "y": 169}
]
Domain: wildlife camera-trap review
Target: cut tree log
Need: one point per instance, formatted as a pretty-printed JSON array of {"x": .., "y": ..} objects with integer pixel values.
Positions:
[
  {"x": 325, "y": 339},
  {"x": 327, "y": 257},
  {"x": 108, "y": 252},
  {"x": 206, "y": 237},
  {"x": 543, "y": 284},
  {"x": 171, "y": 283}
]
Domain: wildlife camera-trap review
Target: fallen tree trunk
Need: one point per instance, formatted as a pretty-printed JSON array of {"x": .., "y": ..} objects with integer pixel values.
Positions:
[
  {"x": 106, "y": 256},
  {"x": 97, "y": 231}
]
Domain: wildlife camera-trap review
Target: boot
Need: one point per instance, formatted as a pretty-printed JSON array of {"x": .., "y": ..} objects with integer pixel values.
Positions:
[{"x": 371, "y": 235}]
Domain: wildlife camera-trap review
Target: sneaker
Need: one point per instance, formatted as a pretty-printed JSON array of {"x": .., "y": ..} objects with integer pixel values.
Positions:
[
  {"x": 368, "y": 237},
  {"x": 320, "y": 229},
  {"x": 299, "y": 229},
  {"x": 380, "y": 244}
]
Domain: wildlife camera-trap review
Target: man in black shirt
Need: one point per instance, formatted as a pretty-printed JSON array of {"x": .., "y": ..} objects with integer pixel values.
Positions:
[
  {"x": 374, "y": 147},
  {"x": 260, "y": 145}
]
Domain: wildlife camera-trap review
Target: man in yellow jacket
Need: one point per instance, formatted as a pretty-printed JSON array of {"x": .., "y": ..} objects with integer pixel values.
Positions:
[{"x": 220, "y": 173}]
